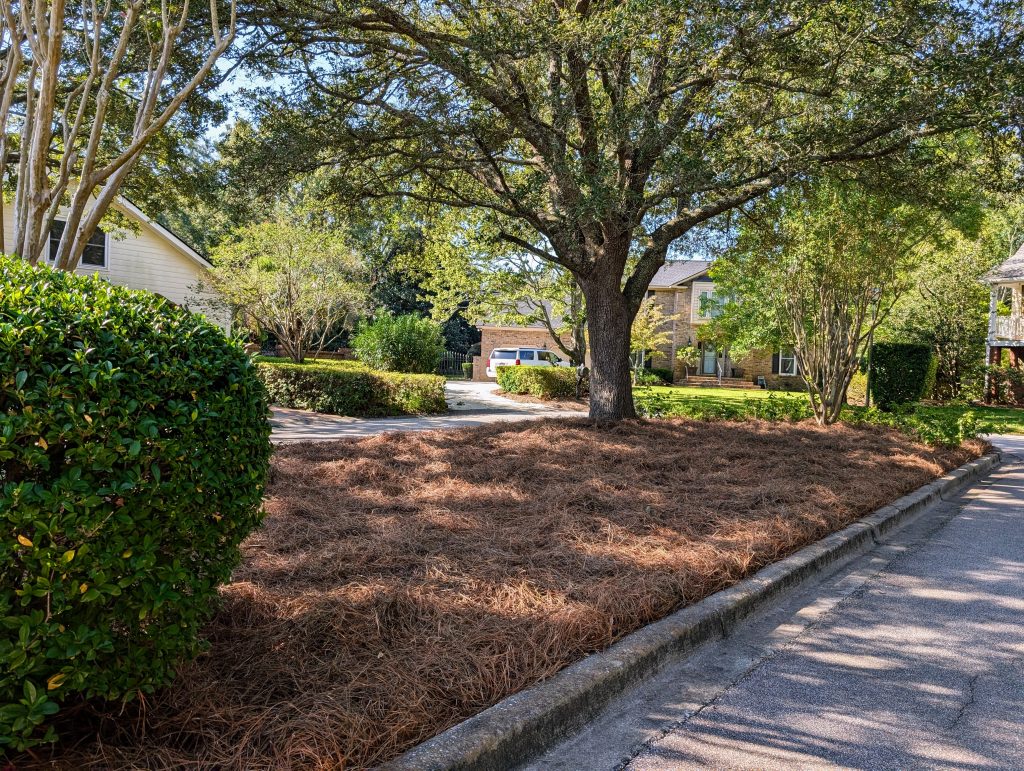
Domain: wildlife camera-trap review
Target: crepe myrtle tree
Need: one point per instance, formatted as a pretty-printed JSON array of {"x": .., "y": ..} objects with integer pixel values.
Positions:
[
  {"x": 817, "y": 268},
  {"x": 610, "y": 130},
  {"x": 85, "y": 88}
]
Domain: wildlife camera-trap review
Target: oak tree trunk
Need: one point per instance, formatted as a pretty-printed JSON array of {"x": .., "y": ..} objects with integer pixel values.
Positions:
[{"x": 609, "y": 319}]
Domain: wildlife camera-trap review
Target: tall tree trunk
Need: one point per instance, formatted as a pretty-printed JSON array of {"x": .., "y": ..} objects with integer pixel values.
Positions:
[{"x": 609, "y": 319}]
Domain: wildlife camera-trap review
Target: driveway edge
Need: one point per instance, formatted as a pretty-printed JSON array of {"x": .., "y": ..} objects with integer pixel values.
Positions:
[{"x": 524, "y": 725}]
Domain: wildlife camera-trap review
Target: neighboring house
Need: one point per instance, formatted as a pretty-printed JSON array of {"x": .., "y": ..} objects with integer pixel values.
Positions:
[
  {"x": 1006, "y": 333},
  {"x": 152, "y": 258},
  {"x": 685, "y": 293},
  {"x": 534, "y": 335}
]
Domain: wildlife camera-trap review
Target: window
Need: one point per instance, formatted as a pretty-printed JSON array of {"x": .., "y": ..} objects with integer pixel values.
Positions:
[
  {"x": 787, "y": 363},
  {"x": 526, "y": 356},
  {"x": 551, "y": 357},
  {"x": 706, "y": 305},
  {"x": 502, "y": 353},
  {"x": 95, "y": 251}
]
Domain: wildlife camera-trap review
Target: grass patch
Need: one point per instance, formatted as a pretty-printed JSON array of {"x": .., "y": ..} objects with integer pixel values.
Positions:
[{"x": 403, "y": 583}]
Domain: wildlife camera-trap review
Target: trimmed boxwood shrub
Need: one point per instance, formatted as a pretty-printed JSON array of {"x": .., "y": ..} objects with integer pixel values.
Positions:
[
  {"x": 134, "y": 446},
  {"x": 467, "y": 370},
  {"x": 399, "y": 344},
  {"x": 349, "y": 388},
  {"x": 900, "y": 374},
  {"x": 543, "y": 382},
  {"x": 664, "y": 373}
]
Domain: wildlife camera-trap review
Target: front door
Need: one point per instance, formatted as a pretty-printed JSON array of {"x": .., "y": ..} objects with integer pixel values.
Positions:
[{"x": 709, "y": 361}]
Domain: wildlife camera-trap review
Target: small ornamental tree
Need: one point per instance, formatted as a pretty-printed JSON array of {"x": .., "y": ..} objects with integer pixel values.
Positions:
[
  {"x": 134, "y": 447},
  {"x": 651, "y": 329},
  {"x": 298, "y": 282}
]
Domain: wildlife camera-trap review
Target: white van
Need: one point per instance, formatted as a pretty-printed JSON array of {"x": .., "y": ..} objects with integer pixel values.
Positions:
[{"x": 523, "y": 357}]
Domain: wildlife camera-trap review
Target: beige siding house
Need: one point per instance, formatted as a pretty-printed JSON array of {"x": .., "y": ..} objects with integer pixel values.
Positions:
[
  {"x": 686, "y": 294},
  {"x": 152, "y": 258}
]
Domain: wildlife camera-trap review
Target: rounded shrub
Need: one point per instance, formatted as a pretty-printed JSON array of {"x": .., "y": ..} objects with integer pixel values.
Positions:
[
  {"x": 134, "y": 447},
  {"x": 399, "y": 343},
  {"x": 901, "y": 373}
]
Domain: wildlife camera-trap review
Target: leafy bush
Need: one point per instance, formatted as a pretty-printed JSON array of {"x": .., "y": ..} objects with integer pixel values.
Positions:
[
  {"x": 543, "y": 382},
  {"x": 349, "y": 388},
  {"x": 467, "y": 370},
  {"x": 647, "y": 378},
  {"x": 663, "y": 372},
  {"x": 134, "y": 446},
  {"x": 857, "y": 393},
  {"x": 931, "y": 426},
  {"x": 399, "y": 344},
  {"x": 656, "y": 405},
  {"x": 900, "y": 373}
]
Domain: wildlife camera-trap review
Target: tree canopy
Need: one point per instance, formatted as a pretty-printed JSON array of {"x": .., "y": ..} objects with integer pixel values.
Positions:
[{"x": 597, "y": 134}]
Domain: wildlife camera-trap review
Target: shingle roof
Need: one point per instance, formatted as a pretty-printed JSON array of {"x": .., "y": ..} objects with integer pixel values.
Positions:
[
  {"x": 673, "y": 273},
  {"x": 1011, "y": 270}
]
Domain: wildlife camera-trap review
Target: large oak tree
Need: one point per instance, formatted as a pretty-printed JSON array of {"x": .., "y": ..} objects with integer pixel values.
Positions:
[{"x": 597, "y": 134}]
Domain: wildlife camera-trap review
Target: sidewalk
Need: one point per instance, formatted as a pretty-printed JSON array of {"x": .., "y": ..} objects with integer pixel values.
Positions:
[{"x": 911, "y": 657}]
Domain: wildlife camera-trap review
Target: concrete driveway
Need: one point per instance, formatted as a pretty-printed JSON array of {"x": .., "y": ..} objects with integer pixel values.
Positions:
[
  {"x": 469, "y": 404},
  {"x": 910, "y": 657}
]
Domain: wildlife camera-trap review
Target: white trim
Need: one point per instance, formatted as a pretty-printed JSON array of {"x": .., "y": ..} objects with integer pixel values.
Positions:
[
  {"x": 792, "y": 356},
  {"x": 695, "y": 291},
  {"x": 180, "y": 245}
]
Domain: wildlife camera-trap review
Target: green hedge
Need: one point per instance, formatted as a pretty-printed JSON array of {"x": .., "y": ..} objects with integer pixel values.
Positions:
[
  {"x": 901, "y": 373},
  {"x": 543, "y": 382},
  {"x": 350, "y": 388},
  {"x": 134, "y": 446}
]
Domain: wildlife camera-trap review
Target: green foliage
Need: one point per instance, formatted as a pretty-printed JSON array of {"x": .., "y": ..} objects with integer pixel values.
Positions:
[
  {"x": 349, "y": 388},
  {"x": 467, "y": 370},
  {"x": 857, "y": 392},
  {"x": 134, "y": 446},
  {"x": 648, "y": 377},
  {"x": 543, "y": 382},
  {"x": 935, "y": 427},
  {"x": 901, "y": 373},
  {"x": 399, "y": 343},
  {"x": 654, "y": 404},
  {"x": 301, "y": 283},
  {"x": 664, "y": 373}
]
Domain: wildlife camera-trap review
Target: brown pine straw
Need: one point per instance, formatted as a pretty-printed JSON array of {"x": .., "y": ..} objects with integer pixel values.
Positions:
[{"x": 406, "y": 582}]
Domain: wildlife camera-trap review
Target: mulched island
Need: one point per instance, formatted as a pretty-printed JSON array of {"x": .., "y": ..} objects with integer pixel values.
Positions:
[{"x": 406, "y": 582}]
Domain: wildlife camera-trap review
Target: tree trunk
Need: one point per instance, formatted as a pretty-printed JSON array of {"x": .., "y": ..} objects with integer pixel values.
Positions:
[{"x": 609, "y": 320}]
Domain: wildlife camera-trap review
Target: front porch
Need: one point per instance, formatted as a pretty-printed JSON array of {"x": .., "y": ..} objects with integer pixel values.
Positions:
[{"x": 1005, "y": 343}]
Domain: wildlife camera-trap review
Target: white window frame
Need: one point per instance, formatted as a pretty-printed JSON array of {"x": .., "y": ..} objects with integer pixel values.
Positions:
[
  {"x": 792, "y": 358},
  {"x": 86, "y": 265},
  {"x": 696, "y": 314}
]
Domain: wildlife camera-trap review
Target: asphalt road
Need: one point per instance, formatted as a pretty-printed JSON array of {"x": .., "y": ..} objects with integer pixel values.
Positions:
[{"x": 910, "y": 657}]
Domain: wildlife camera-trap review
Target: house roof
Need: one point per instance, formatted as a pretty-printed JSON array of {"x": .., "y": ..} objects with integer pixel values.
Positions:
[
  {"x": 524, "y": 308},
  {"x": 166, "y": 234},
  {"x": 1011, "y": 270},
  {"x": 676, "y": 272}
]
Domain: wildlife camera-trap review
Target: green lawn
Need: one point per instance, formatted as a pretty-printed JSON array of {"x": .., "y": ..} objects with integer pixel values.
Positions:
[{"x": 1004, "y": 420}]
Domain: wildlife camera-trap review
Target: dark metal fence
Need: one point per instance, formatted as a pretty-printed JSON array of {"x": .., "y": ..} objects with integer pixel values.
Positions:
[{"x": 451, "y": 363}]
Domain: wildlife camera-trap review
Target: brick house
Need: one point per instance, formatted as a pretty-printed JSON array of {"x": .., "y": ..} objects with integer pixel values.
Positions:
[{"x": 685, "y": 293}]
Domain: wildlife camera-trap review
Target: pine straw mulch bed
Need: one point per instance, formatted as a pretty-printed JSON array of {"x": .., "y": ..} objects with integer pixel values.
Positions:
[{"x": 406, "y": 582}]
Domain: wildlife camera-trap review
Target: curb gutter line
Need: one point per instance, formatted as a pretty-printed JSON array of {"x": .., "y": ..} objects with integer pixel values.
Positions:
[{"x": 526, "y": 724}]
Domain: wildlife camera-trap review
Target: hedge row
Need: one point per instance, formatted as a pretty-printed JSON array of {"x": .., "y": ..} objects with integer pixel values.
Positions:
[
  {"x": 134, "y": 446},
  {"x": 901, "y": 373},
  {"x": 543, "y": 382},
  {"x": 349, "y": 388}
]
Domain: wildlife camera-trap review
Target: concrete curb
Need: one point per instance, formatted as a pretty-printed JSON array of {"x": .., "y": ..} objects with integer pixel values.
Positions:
[{"x": 526, "y": 724}]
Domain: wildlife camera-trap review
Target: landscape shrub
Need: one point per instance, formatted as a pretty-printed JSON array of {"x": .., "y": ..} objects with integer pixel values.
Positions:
[
  {"x": 857, "y": 392},
  {"x": 542, "y": 382},
  {"x": 134, "y": 447},
  {"x": 647, "y": 378},
  {"x": 932, "y": 426},
  {"x": 664, "y": 373},
  {"x": 1007, "y": 384},
  {"x": 467, "y": 370},
  {"x": 399, "y": 344},
  {"x": 901, "y": 373},
  {"x": 350, "y": 388},
  {"x": 656, "y": 405}
]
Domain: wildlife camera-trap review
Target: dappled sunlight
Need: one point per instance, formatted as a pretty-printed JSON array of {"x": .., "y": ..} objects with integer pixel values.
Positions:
[{"x": 405, "y": 582}]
